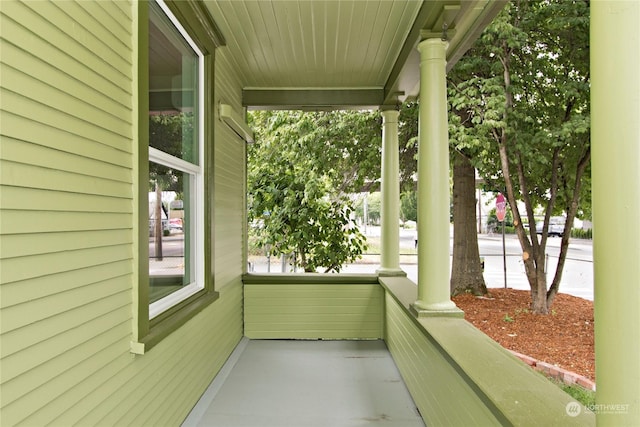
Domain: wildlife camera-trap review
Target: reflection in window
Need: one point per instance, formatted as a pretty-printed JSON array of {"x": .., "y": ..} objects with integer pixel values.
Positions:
[
  {"x": 170, "y": 263},
  {"x": 175, "y": 173}
]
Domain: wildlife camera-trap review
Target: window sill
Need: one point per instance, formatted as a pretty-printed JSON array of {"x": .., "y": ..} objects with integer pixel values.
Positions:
[{"x": 173, "y": 319}]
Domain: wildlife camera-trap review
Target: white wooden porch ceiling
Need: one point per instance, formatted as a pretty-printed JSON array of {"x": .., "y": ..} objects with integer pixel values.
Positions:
[{"x": 330, "y": 53}]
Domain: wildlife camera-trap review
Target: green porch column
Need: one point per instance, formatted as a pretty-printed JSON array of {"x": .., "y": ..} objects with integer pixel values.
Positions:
[
  {"x": 390, "y": 191},
  {"x": 433, "y": 184},
  {"x": 615, "y": 138}
]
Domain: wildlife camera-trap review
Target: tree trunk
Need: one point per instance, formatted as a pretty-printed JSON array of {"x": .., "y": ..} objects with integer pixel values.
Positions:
[
  {"x": 539, "y": 287},
  {"x": 532, "y": 253},
  {"x": 466, "y": 269},
  {"x": 571, "y": 210},
  {"x": 158, "y": 229}
]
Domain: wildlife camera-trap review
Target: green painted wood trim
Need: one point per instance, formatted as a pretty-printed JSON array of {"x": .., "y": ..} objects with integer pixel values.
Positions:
[
  {"x": 288, "y": 99},
  {"x": 141, "y": 172},
  {"x": 402, "y": 289},
  {"x": 209, "y": 162},
  {"x": 404, "y": 69},
  {"x": 469, "y": 29},
  {"x": 510, "y": 388},
  {"x": 197, "y": 20},
  {"x": 513, "y": 392},
  {"x": 173, "y": 319},
  {"x": 442, "y": 395},
  {"x": 309, "y": 278},
  {"x": 148, "y": 333}
]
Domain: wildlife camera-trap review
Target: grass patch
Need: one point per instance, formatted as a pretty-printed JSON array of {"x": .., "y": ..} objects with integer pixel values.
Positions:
[{"x": 586, "y": 397}]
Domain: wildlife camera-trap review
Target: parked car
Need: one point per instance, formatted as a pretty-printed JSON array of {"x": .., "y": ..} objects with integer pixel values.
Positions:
[{"x": 555, "y": 229}]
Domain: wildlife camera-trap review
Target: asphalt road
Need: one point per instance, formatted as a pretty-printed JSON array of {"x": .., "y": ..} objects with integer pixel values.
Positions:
[
  {"x": 577, "y": 274},
  {"x": 577, "y": 277}
]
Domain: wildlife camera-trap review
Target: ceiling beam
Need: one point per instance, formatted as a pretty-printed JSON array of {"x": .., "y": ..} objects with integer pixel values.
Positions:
[
  {"x": 406, "y": 70},
  {"x": 465, "y": 21},
  {"x": 312, "y": 99}
]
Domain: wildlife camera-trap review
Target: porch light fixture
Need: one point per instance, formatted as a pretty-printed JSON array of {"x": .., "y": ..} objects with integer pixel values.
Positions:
[{"x": 235, "y": 122}]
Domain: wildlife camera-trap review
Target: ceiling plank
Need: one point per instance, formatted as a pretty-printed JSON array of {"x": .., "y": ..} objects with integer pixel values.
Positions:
[{"x": 328, "y": 50}]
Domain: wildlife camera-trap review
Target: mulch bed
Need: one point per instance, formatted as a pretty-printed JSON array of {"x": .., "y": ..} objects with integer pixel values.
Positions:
[{"x": 563, "y": 338}]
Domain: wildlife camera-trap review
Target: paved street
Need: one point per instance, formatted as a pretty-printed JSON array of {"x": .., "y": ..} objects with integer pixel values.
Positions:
[{"x": 577, "y": 277}]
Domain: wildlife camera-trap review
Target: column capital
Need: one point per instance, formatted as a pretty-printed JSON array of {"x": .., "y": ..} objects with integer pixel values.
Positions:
[
  {"x": 433, "y": 49},
  {"x": 390, "y": 116}
]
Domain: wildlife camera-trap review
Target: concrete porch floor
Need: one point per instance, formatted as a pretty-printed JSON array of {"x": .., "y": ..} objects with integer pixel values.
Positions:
[{"x": 283, "y": 383}]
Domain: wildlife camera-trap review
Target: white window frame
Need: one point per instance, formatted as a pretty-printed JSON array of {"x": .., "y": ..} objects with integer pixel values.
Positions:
[{"x": 196, "y": 174}]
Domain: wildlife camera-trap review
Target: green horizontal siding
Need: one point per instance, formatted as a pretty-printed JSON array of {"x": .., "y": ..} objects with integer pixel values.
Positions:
[
  {"x": 20, "y": 198},
  {"x": 54, "y": 283},
  {"x": 229, "y": 180},
  {"x": 440, "y": 393},
  {"x": 49, "y": 30},
  {"x": 329, "y": 311},
  {"x": 30, "y": 176},
  {"x": 67, "y": 224},
  {"x": 112, "y": 149},
  {"x": 161, "y": 387},
  {"x": 45, "y": 157}
]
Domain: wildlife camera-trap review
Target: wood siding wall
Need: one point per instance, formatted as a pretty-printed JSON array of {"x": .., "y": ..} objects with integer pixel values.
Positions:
[
  {"x": 440, "y": 393},
  {"x": 67, "y": 229},
  {"x": 230, "y": 181},
  {"x": 313, "y": 310}
]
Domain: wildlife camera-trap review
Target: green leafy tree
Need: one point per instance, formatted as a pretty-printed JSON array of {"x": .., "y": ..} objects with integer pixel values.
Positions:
[
  {"x": 408, "y": 144},
  {"x": 300, "y": 172},
  {"x": 409, "y": 206},
  {"x": 521, "y": 97},
  {"x": 372, "y": 203}
]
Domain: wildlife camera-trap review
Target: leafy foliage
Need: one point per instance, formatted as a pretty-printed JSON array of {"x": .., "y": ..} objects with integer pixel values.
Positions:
[
  {"x": 173, "y": 134},
  {"x": 373, "y": 204},
  {"x": 520, "y": 111},
  {"x": 409, "y": 206},
  {"x": 300, "y": 171}
]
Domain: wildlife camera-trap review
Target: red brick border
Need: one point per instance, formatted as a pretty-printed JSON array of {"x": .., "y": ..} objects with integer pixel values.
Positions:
[{"x": 552, "y": 371}]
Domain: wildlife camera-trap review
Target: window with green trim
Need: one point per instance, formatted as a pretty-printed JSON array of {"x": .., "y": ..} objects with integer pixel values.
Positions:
[
  {"x": 176, "y": 175},
  {"x": 177, "y": 41}
]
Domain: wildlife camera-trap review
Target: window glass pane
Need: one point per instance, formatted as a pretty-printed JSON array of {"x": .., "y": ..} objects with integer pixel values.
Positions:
[
  {"x": 173, "y": 89},
  {"x": 170, "y": 224}
]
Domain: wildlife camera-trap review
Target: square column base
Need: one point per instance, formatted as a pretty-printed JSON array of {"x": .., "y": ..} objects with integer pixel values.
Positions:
[
  {"x": 391, "y": 272},
  {"x": 422, "y": 313}
]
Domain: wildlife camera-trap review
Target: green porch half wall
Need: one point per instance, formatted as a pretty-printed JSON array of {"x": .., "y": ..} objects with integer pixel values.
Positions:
[
  {"x": 456, "y": 375},
  {"x": 313, "y": 307}
]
